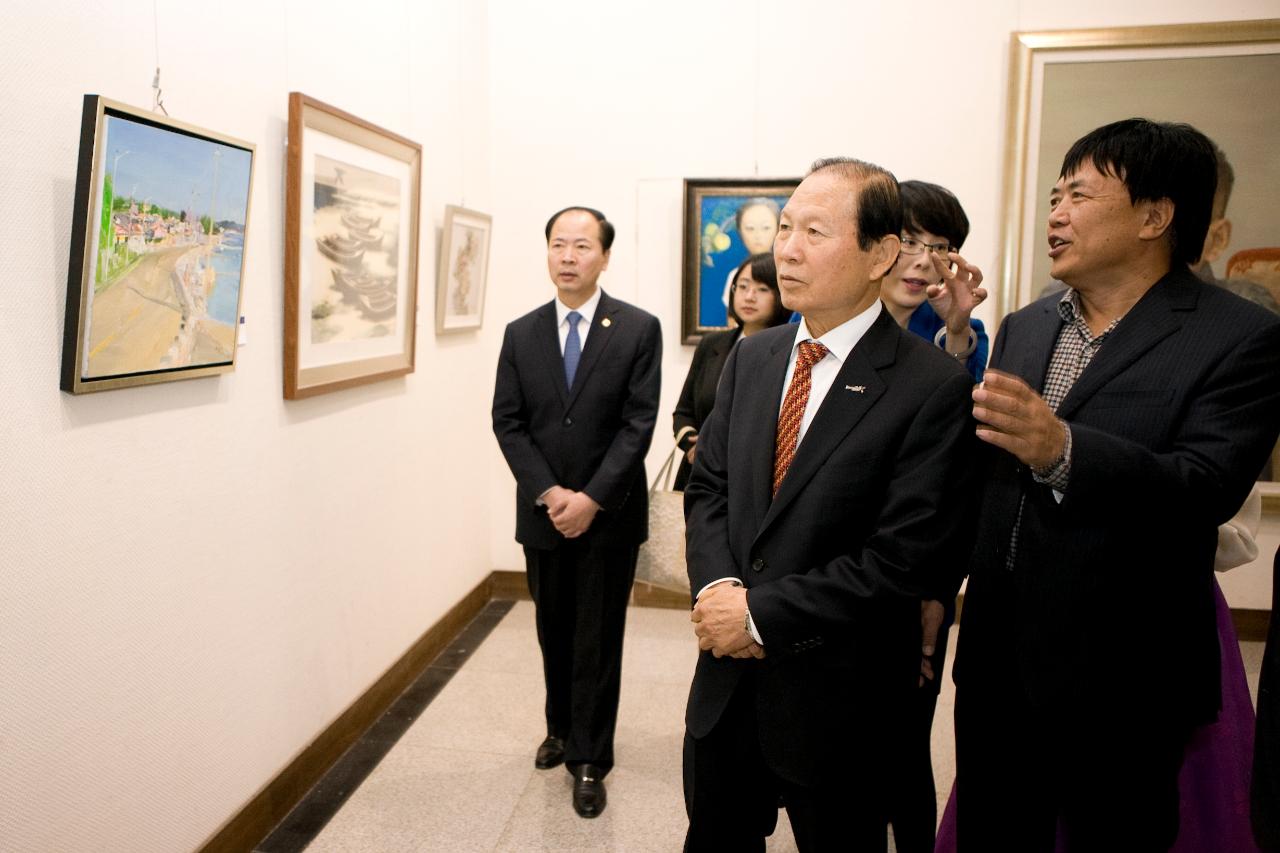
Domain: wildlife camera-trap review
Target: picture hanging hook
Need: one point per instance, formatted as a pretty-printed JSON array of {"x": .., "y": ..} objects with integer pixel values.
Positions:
[{"x": 157, "y": 104}]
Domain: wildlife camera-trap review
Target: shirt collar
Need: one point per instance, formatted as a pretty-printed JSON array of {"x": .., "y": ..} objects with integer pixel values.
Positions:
[
  {"x": 587, "y": 310},
  {"x": 841, "y": 340}
]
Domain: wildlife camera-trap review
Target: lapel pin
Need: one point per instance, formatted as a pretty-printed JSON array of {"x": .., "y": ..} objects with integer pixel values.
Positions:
[
  {"x": 606, "y": 322},
  {"x": 857, "y": 389}
]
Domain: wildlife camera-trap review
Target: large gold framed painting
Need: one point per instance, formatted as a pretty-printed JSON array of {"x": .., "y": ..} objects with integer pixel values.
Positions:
[
  {"x": 157, "y": 254},
  {"x": 1223, "y": 78},
  {"x": 351, "y": 250}
]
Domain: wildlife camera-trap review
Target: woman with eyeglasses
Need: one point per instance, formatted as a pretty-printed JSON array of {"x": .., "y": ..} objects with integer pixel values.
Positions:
[
  {"x": 916, "y": 292},
  {"x": 754, "y": 304}
]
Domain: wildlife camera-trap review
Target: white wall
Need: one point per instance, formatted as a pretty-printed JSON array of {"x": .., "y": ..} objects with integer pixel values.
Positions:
[
  {"x": 196, "y": 578},
  {"x": 725, "y": 88}
]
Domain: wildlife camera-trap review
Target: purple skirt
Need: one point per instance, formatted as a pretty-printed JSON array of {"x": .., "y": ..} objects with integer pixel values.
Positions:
[{"x": 1213, "y": 786}]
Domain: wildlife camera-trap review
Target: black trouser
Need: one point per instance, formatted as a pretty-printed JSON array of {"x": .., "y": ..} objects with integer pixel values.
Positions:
[
  {"x": 913, "y": 799},
  {"x": 580, "y": 591},
  {"x": 1106, "y": 777},
  {"x": 731, "y": 795}
]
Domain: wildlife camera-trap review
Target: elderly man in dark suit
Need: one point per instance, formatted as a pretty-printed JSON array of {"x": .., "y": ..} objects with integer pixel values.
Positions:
[
  {"x": 1127, "y": 419},
  {"x": 827, "y": 498},
  {"x": 573, "y": 409}
]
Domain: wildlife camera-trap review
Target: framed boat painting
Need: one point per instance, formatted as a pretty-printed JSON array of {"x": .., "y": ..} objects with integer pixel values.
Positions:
[
  {"x": 726, "y": 220},
  {"x": 464, "y": 269},
  {"x": 157, "y": 250},
  {"x": 351, "y": 250}
]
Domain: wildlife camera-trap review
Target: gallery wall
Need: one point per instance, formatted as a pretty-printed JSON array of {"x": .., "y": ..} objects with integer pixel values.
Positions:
[
  {"x": 723, "y": 89},
  {"x": 196, "y": 578}
]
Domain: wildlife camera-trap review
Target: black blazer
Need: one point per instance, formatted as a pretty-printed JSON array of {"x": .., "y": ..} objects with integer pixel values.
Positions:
[
  {"x": 836, "y": 563},
  {"x": 1170, "y": 425},
  {"x": 592, "y": 437},
  {"x": 699, "y": 392}
]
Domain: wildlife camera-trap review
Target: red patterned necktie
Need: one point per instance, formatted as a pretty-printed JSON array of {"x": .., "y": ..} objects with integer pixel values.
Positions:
[{"x": 793, "y": 406}]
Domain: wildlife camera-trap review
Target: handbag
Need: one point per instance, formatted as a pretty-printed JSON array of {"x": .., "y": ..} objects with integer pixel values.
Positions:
[{"x": 661, "y": 561}]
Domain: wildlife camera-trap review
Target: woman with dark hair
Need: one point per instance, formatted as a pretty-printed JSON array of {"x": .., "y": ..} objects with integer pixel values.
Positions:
[
  {"x": 934, "y": 228},
  {"x": 754, "y": 304}
]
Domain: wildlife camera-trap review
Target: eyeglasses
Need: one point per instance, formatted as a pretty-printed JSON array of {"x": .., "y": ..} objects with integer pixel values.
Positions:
[{"x": 912, "y": 246}]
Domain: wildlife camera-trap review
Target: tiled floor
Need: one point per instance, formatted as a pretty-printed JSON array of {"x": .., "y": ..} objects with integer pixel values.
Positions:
[{"x": 459, "y": 776}]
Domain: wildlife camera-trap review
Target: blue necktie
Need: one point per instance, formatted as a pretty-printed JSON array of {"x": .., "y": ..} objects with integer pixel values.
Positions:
[{"x": 572, "y": 349}]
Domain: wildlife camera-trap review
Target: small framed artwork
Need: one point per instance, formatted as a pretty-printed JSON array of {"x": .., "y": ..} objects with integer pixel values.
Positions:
[
  {"x": 157, "y": 250},
  {"x": 726, "y": 221},
  {"x": 351, "y": 250},
  {"x": 464, "y": 269},
  {"x": 1065, "y": 83}
]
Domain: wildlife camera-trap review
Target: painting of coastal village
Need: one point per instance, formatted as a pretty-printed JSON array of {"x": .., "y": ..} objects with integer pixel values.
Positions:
[
  {"x": 167, "y": 252},
  {"x": 354, "y": 269}
]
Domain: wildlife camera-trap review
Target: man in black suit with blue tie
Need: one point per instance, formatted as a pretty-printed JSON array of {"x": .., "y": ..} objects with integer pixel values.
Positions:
[
  {"x": 574, "y": 407},
  {"x": 1127, "y": 418}
]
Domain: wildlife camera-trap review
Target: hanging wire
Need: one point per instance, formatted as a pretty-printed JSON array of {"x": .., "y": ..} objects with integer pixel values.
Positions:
[{"x": 158, "y": 102}]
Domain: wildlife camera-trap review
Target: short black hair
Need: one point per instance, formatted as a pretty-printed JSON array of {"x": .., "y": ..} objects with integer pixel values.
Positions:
[
  {"x": 764, "y": 270},
  {"x": 1157, "y": 160},
  {"x": 606, "y": 227},
  {"x": 929, "y": 207},
  {"x": 878, "y": 205}
]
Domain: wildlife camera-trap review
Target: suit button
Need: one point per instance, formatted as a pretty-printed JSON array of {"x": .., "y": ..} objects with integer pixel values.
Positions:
[
  {"x": 568, "y": 421},
  {"x": 758, "y": 564}
]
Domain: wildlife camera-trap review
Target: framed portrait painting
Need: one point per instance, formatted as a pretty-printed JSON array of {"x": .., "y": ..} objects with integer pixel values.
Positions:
[
  {"x": 726, "y": 220},
  {"x": 351, "y": 250},
  {"x": 463, "y": 271},
  {"x": 157, "y": 250},
  {"x": 1219, "y": 77}
]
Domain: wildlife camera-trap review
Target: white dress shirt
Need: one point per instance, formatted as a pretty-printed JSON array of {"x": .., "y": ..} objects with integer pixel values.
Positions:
[{"x": 588, "y": 312}]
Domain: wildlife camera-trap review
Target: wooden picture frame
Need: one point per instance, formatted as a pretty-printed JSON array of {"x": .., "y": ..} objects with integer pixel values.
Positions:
[
  {"x": 352, "y": 193},
  {"x": 721, "y": 229},
  {"x": 463, "y": 272},
  {"x": 1064, "y": 83},
  {"x": 154, "y": 280}
]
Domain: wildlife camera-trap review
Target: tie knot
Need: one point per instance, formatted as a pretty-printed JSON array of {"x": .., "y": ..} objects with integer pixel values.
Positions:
[
  {"x": 811, "y": 352},
  {"x": 573, "y": 318}
]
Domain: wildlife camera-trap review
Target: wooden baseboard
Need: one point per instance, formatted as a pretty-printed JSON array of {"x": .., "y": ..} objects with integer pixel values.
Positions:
[
  {"x": 1251, "y": 625},
  {"x": 270, "y": 806}
]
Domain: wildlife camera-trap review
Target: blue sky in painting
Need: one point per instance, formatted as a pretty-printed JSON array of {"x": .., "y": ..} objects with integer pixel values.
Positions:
[{"x": 175, "y": 171}]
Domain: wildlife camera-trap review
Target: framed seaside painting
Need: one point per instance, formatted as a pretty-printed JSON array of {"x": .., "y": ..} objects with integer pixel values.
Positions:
[
  {"x": 351, "y": 250},
  {"x": 157, "y": 250},
  {"x": 464, "y": 269},
  {"x": 1219, "y": 77},
  {"x": 726, "y": 220}
]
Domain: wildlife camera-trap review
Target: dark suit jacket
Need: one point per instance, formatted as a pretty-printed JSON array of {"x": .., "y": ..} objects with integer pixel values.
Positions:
[
  {"x": 836, "y": 563},
  {"x": 1170, "y": 422},
  {"x": 592, "y": 437},
  {"x": 699, "y": 392}
]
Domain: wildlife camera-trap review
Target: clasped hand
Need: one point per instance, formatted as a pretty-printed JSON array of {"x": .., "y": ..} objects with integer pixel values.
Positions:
[
  {"x": 571, "y": 512},
  {"x": 719, "y": 620}
]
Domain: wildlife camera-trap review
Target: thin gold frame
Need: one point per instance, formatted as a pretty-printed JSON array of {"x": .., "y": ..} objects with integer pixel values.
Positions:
[
  {"x": 454, "y": 213},
  {"x": 307, "y": 112}
]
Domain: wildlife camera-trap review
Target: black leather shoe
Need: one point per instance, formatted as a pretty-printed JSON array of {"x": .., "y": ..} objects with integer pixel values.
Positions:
[
  {"x": 550, "y": 753},
  {"x": 588, "y": 790}
]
